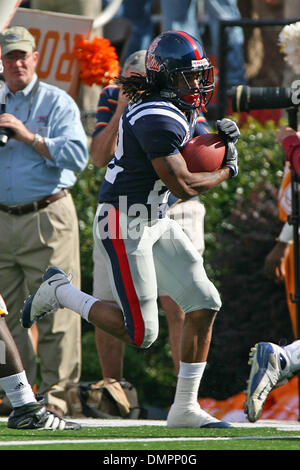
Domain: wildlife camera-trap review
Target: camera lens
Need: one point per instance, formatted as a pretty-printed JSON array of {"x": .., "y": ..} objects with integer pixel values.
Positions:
[
  {"x": 5, "y": 135},
  {"x": 245, "y": 98}
]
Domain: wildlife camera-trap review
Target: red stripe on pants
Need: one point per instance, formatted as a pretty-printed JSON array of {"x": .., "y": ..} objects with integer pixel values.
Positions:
[{"x": 119, "y": 246}]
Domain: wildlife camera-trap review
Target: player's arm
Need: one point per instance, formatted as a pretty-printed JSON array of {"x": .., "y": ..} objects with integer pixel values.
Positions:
[
  {"x": 104, "y": 142},
  {"x": 172, "y": 170}
]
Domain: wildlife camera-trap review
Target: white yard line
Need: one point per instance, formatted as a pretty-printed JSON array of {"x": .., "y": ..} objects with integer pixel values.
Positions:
[
  {"x": 102, "y": 423},
  {"x": 150, "y": 439}
]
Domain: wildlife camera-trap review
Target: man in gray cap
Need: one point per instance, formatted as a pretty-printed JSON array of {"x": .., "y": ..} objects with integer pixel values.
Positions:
[
  {"x": 17, "y": 38},
  {"x": 39, "y": 159}
]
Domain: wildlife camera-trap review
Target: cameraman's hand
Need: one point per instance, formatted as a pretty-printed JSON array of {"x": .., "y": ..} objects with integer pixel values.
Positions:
[
  {"x": 20, "y": 131},
  {"x": 284, "y": 132},
  {"x": 274, "y": 262},
  {"x": 228, "y": 130},
  {"x": 231, "y": 159}
]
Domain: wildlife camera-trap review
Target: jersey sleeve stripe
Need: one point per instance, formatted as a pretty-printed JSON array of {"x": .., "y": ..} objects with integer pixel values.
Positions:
[
  {"x": 150, "y": 104},
  {"x": 104, "y": 108},
  {"x": 159, "y": 111},
  {"x": 100, "y": 124},
  {"x": 110, "y": 100}
]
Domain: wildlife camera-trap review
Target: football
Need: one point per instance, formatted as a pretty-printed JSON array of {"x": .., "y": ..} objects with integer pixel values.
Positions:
[{"x": 204, "y": 153}]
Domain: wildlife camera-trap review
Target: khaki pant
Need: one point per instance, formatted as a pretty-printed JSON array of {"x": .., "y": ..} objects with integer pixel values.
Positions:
[{"x": 28, "y": 245}]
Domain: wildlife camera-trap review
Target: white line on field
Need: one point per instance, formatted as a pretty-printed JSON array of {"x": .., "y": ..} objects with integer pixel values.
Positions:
[
  {"x": 150, "y": 439},
  {"x": 102, "y": 423}
]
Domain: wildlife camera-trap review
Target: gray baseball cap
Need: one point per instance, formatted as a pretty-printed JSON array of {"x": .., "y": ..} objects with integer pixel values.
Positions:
[
  {"x": 16, "y": 38},
  {"x": 136, "y": 62}
]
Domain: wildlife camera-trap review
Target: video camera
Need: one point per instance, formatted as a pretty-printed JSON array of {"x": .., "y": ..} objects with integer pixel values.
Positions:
[
  {"x": 245, "y": 98},
  {"x": 5, "y": 132}
]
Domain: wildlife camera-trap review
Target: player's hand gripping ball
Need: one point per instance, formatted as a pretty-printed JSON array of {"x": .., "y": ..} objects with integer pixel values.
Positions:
[{"x": 205, "y": 152}]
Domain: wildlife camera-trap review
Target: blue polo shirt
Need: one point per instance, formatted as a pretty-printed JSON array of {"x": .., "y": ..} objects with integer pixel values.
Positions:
[{"x": 27, "y": 176}]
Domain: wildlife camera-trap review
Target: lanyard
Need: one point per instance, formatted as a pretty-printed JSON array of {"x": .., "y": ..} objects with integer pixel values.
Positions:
[{"x": 32, "y": 95}]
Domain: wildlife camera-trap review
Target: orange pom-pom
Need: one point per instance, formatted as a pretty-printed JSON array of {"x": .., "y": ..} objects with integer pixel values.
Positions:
[{"x": 98, "y": 61}]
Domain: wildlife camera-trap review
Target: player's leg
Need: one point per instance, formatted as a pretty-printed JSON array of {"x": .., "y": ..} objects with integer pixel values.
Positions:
[
  {"x": 110, "y": 349},
  {"x": 190, "y": 216},
  {"x": 181, "y": 274},
  {"x": 130, "y": 266},
  {"x": 133, "y": 279},
  {"x": 175, "y": 318},
  {"x": 111, "y": 354},
  {"x": 12, "y": 288},
  {"x": 27, "y": 412},
  {"x": 196, "y": 336},
  {"x": 10, "y": 359},
  {"x": 13, "y": 378}
]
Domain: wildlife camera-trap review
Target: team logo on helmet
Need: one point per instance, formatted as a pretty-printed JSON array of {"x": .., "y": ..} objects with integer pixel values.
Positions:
[
  {"x": 152, "y": 62},
  {"x": 154, "y": 44}
]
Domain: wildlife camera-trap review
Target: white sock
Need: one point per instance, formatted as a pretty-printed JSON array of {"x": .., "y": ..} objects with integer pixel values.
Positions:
[
  {"x": 188, "y": 382},
  {"x": 191, "y": 370},
  {"x": 17, "y": 389},
  {"x": 70, "y": 297},
  {"x": 293, "y": 353}
]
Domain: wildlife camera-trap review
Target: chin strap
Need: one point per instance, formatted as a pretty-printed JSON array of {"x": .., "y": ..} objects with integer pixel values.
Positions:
[{"x": 196, "y": 100}]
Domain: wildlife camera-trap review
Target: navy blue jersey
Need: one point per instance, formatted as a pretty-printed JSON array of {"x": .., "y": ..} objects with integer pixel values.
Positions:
[
  {"x": 107, "y": 104},
  {"x": 149, "y": 129}
]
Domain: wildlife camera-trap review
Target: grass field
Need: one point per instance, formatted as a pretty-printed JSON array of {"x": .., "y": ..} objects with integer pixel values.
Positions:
[{"x": 127, "y": 436}]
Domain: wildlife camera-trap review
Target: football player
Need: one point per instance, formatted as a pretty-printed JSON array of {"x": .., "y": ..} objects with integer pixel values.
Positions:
[
  {"x": 143, "y": 248},
  {"x": 28, "y": 412},
  {"x": 190, "y": 214}
]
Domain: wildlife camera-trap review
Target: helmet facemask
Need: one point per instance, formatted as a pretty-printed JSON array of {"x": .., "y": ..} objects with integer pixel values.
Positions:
[{"x": 192, "y": 89}]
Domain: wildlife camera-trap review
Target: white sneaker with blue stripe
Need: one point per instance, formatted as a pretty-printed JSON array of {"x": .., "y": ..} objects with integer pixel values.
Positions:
[{"x": 269, "y": 367}]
